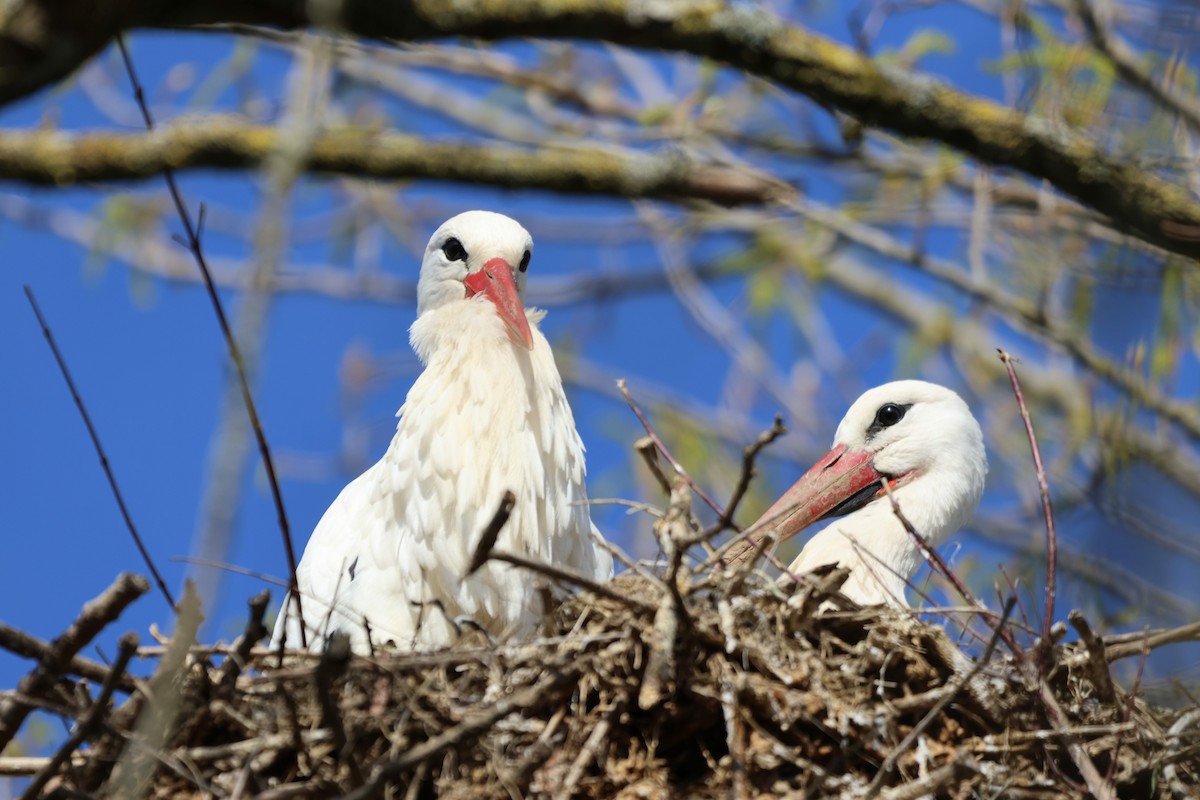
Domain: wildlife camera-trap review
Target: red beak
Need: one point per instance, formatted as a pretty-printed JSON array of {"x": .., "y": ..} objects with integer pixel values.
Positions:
[
  {"x": 840, "y": 482},
  {"x": 496, "y": 282}
]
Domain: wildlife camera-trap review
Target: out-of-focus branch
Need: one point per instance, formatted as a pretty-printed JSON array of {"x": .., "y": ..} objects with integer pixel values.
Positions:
[
  {"x": 1129, "y": 65},
  {"x": 157, "y": 257},
  {"x": 60, "y": 159},
  {"x": 1015, "y": 310},
  {"x": 41, "y": 42}
]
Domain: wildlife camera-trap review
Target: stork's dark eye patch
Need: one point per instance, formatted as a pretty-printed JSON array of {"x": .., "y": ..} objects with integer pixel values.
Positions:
[
  {"x": 887, "y": 416},
  {"x": 454, "y": 250},
  {"x": 525, "y": 261}
]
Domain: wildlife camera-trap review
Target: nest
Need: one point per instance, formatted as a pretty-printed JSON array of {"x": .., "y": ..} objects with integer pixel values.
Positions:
[{"x": 641, "y": 689}]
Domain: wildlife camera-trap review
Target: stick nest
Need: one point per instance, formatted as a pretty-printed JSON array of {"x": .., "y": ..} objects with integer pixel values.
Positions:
[{"x": 647, "y": 693}]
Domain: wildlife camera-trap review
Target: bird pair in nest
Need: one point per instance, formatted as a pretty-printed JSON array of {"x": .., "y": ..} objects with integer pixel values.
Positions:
[{"x": 388, "y": 561}]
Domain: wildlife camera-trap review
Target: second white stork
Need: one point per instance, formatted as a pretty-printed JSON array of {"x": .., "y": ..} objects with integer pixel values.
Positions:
[
  {"x": 487, "y": 415},
  {"x": 923, "y": 440}
]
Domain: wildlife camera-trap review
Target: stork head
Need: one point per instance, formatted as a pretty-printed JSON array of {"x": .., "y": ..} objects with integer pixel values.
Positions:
[
  {"x": 479, "y": 253},
  {"x": 919, "y": 437}
]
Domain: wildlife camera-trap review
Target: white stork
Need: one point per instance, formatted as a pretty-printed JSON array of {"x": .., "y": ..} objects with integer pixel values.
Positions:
[
  {"x": 487, "y": 414},
  {"x": 923, "y": 440}
]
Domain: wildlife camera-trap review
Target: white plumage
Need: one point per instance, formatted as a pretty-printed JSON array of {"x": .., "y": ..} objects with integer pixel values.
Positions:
[
  {"x": 923, "y": 439},
  {"x": 487, "y": 414}
]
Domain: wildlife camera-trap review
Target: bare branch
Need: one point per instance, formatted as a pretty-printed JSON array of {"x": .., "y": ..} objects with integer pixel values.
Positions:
[{"x": 91, "y": 429}]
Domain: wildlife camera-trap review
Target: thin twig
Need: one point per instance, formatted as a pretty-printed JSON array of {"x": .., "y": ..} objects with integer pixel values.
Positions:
[
  {"x": 191, "y": 241},
  {"x": 749, "y": 455},
  {"x": 663, "y": 448},
  {"x": 889, "y": 763},
  {"x": 85, "y": 728},
  {"x": 91, "y": 429},
  {"x": 1051, "y": 538},
  {"x": 540, "y": 694},
  {"x": 566, "y": 576}
]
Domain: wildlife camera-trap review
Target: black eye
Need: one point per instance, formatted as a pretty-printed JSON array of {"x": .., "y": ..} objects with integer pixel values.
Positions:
[
  {"x": 525, "y": 261},
  {"x": 454, "y": 250},
  {"x": 889, "y": 414}
]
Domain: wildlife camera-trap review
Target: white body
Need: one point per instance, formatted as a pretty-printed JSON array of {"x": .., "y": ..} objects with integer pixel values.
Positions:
[
  {"x": 938, "y": 446},
  {"x": 485, "y": 416}
]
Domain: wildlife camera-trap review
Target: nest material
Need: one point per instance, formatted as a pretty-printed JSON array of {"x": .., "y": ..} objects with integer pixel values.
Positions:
[{"x": 642, "y": 693}]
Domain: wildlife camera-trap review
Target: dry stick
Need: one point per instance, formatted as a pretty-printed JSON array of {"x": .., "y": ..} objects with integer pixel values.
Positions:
[
  {"x": 1083, "y": 762},
  {"x": 749, "y": 455},
  {"x": 26, "y": 646},
  {"x": 663, "y": 448},
  {"x": 192, "y": 243},
  {"x": 889, "y": 763},
  {"x": 589, "y": 752},
  {"x": 1130, "y": 699},
  {"x": 1047, "y": 642},
  {"x": 528, "y": 698},
  {"x": 565, "y": 576},
  {"x": 91, "y": 429},
  {"x": 487, "y": 540},
  {"x": 1118, "y": 647},
  {"x": 96, "y": 614},
  {"x": 332, "y": 665},
  {"x": 127, "y": 647},
  {"x": 648, "y": 450},
  {"x": 233, "y": 568},
  {"x": 236, "y": 660}
]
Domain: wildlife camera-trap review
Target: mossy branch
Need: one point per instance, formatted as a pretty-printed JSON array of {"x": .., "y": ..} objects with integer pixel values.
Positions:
[
  {"x": 62, "y": 159},
  {"x": 42, "y": 42}
]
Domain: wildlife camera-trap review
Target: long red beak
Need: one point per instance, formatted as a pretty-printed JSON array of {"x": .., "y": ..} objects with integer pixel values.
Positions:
[
  {"x": 842, "y": 476},
  {"x": 841, "y": 481},
  {"x": 495, "y": 282}
]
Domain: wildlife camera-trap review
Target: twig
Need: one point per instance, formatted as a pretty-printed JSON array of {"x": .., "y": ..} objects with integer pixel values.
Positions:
[
  {"x": 749, "y": 454},
  {"x": 192, "y": 242},
  {"x": 559, "y": 574},
  {"x": 1083, "y": 762},
  {"x": 1130, "y": 700},
  {"x": 126, "y": 649},
  {"x": 1097, "y": 660},
  {"x": 487, "y": 541},
  {"x": 663, "y": 448},
  {"x": 589, "y": 752},
  {"x": 26, "y": 646},
  {"x": 96, "y": 614},
  {"x": 540, "y": 694},
  {"x": 91, "y": 429},
  {"x": 235, "y": 569},
  {"x": 236, "y": 660},
  {"x": 1047, "y": 643},
  {"x": 889, "y": 763},
  {"x": 334, "y": 660},
  {"x": 931, "y": 785},
  {"x": 648, "y": 450},
  {"x": 1118, "y": 647}
]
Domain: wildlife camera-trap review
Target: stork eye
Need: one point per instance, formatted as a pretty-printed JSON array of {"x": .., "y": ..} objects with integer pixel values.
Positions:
[
  {"x": 525, "y": 261},
  {"x": 889, "y": 414},
  {"x": 454, "y": 250}
]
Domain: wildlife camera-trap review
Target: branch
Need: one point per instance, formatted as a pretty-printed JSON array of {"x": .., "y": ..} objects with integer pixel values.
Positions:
[
  {"x": 96, "y": 614},
  {"x": 89, "y": 724},
  {"x": 41, "y": 42},
  {"x": 62, "y": 159},
  {"x": 91, "y": 429}
]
